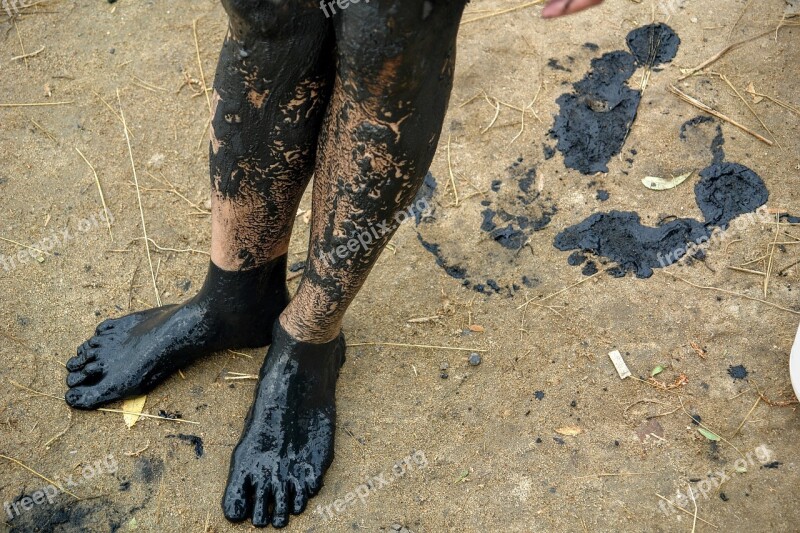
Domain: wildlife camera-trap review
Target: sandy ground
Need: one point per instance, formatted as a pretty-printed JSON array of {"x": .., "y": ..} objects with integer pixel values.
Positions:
[{"x": 489, "y": 455}]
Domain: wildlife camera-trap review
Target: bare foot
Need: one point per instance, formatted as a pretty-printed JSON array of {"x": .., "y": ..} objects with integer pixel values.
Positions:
[
  {"x": 287, "y": 442},
  {"x": 129, "y": 356}
]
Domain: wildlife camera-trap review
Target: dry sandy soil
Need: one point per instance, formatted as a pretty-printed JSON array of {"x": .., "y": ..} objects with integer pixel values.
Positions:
[{"x": 492, "y": 436}]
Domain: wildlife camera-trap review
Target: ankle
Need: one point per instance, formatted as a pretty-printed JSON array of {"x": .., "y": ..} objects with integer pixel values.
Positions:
[
  {"x": 246, "y": 291},
  {"x": 305, "y": 327}
]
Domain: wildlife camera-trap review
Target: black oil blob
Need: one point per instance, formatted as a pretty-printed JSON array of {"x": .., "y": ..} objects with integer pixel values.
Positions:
[
  {"x": 725, "y": 191},
  {"x": 590, "y": 269},
  {"x": 576, "y": 258},
  {"x": 653, "y": 44},
  {"x": 621, "y": 237},
  {"x": 594, "y": 120},
  {"x": 193, "y": 440},
  {"x": 456, "y": 272},
  {"x": 555, "y": 65},
  {"x": 737, "y": 372},
  {"x": 728, "y": 190},
  {"x": 773, "y": 464}
]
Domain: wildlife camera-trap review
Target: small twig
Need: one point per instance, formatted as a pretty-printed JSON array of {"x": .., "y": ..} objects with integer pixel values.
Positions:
[
  {"x": 700, "y": 105},
  {"x": 41, "y": 128},
  {"x": 721, "y": 53},
  {"x": 25, "y": 56}
]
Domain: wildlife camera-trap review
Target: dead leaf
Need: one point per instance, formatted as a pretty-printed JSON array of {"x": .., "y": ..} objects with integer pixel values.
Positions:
[
  {"x": 569, "y": 431},
  {"x": 662, "y": 184},
  {"x": 476, "y": 328},
  {"x": 752, "y": 91},
  {"x": 134, "y": 407}
]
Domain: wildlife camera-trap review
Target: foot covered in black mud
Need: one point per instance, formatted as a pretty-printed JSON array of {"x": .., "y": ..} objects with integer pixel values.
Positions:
[
  {"x": 287, "y": 442},
  {"x": 129, "y": 356}
]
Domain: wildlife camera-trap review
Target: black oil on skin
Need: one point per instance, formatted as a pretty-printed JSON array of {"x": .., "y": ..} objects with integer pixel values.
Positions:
[
  {"x": 129, "y": 356},
  {"x": 287, "y": 442},
  {"x": 594, "y": 120},
  {"x": 725, "y": 191}
]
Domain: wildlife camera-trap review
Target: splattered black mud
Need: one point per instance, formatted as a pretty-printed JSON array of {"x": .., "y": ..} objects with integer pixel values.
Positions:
[
  {"x": 193, "y": 440},
  {"x": 595, "y": 119},
  {"x": 725, "y": 191},
  {"x": 621, "y": 237},
  {"x": 653, "y": 44},
  {"x": 513, "y": 210},
  {"x": 728, "y": 190},
  {"x": 93, "y": 514},
  {"x": 738, "y": 372}
]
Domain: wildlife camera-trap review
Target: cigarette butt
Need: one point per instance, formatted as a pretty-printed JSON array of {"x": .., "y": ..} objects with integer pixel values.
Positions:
[{"x": 619, "y": 364}]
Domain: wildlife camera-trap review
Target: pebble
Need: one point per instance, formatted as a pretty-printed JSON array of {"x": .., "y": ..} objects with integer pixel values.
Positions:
[
  {"x": 474, "y": 359},
  {"x": 444, "y": 366}
]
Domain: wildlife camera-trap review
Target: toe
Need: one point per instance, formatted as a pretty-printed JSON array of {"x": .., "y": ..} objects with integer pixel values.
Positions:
[
  {"x": 261, "y": 515},
  {"x": 236, "y": 501},
  {"x": 75, "y": 378},
  {"x": 312, "y": 484},
  {"x": 87, "y": 397},
  {"x": 280, "y": 515},
  {"x": 89, "y": 374},
  {"x": 297, "y": 494},
  {"x": 85, "y": 355},
  {"x": 105, "y": 325}
]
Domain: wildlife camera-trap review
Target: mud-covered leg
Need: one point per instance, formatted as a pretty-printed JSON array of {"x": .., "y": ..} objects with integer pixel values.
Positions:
[
  {"x": 270, "y": 92},
  {"x": 394, "y": 75}
]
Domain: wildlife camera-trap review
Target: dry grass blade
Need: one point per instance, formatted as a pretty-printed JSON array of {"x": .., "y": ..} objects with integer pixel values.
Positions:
[
  {"x": 37, "y": 104},
  {"x": 139, "y": 197},
  {"x": 37, "y": 474},
  {"x": 733, "y": 293},
  {"x": 503, "y": 11},
  {"x": 100, "y": 190},
  {"x": 24, "y": 246},
  {"x": 427, "y": 346},
  {"x": 685, "y": 510}
]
